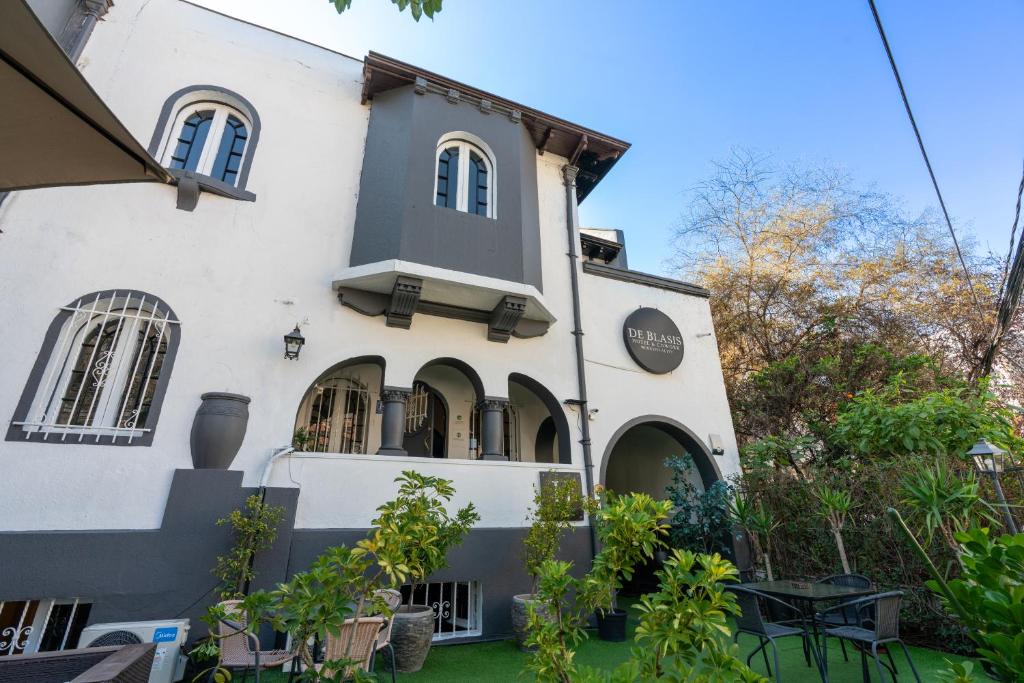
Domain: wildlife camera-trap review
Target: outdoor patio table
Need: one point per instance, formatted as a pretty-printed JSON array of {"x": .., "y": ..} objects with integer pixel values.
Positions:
[{"x": 808, "y": 594}]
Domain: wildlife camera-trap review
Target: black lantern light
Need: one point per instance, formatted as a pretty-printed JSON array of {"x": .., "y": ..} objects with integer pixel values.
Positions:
[
  {"x": 991, "y": 460},
  {"x": 293, "y": 342}
]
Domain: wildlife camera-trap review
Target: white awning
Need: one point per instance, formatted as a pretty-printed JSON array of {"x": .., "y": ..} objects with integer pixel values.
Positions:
[{"x": 54, "y": 129}]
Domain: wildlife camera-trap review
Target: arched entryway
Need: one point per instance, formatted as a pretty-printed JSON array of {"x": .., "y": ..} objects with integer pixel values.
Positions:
[
  {"x": 634, "y": 461},
  {"x": 439, "y": 410},
  {"x": 542, "y": 430}
]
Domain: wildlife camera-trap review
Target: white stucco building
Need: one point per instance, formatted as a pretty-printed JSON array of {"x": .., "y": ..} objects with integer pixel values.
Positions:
[{"x": 416, "y": 229}]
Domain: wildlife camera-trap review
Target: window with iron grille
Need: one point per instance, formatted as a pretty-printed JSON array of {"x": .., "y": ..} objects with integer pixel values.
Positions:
[
  {"x": 102, "y": 372},
  {"x": 30, "y": 626},
  {"x": 457, "y": 606},
  {"x": 335, "y": 416}
]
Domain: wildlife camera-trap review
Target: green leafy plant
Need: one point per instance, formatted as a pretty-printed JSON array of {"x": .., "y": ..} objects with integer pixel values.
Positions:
[
  {"x": 942, "y": 502},
  {"x": 254, "y": 530},
  {"x": 957, "y": 672},
  {"x": 556, "y": 504},
  {"x": 416, "y": 7},
  {"x": 835, "y": 509},
  {"x": 759, "y": 525},
  {"x": 700, "y": 520},
  {"x": 413, "y": 533},
  {"x": 988, "y": 596},
  {"x": 630, "y": 529}
]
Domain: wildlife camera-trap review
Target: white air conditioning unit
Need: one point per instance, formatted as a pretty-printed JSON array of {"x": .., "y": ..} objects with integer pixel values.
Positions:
[{"x": 169, "y": 637}]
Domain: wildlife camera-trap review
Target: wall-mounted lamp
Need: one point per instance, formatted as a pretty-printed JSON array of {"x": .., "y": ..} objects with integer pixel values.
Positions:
[
  {"x": 717, "y": 447},
  {"x": 293, "y": 342}
]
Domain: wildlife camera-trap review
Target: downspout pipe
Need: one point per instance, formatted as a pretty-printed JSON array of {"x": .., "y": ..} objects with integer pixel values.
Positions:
[{"x": 569, "y": 178}]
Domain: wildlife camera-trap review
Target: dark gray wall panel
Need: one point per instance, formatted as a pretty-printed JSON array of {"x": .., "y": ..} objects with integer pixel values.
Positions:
[
  {"x": 396, "y": 217},
  {"x": 136, "y": 575}
]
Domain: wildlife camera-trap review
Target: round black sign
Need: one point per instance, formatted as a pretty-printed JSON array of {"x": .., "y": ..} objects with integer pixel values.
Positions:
[{"x": 653, "y": 340}]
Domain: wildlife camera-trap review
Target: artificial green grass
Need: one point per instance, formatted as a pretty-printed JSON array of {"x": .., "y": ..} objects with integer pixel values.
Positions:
[{"x": 503, "y": 662}]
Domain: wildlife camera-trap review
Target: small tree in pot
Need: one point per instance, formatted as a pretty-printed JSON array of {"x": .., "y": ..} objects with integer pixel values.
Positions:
[
  {"x": 410, "y": 540},
  {"x": 557, "y": 503},
  {"x": 630, "y": 529}
]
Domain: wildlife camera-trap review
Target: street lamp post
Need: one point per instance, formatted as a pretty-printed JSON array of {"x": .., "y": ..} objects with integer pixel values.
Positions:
[{"x": 991, "y": 460}]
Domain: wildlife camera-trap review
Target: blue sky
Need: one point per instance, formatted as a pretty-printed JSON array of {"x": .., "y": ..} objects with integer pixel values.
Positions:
[{"x": 685, "y": 82}]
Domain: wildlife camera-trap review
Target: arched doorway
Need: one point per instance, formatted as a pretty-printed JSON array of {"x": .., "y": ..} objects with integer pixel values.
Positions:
[
  {"x": 439, "y": 411},
  {"x": 634, "y": 461}
]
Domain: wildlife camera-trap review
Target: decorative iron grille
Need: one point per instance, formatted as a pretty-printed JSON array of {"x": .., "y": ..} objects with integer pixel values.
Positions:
[
  {"x": 30, "y": 626},
  {"x": 338, "y": 416},
  {"x": 456, "y": 604},
  {"x": 102, "y": 375}
]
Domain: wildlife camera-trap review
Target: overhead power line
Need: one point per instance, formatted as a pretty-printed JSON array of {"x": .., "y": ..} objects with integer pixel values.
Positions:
[{"x": 924, "y": 153}]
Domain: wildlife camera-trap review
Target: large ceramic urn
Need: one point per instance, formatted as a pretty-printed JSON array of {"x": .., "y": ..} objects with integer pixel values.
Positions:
[{"x": 218, "y": 430}]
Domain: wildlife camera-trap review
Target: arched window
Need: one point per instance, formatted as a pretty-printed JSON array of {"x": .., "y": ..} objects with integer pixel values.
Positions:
[
  {"x": 210, "y": 139},
  {"x": 465, "y": 175},
  {"x": 335, "y": 416},
  {"x": 102, "y": 372},
  {"x": 207, "y": 130}
]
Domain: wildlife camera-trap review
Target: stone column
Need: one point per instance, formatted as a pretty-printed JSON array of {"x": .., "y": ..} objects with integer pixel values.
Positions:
[
  {"x": 492, "y": 427},
  {"x": 392, "y": 424}
]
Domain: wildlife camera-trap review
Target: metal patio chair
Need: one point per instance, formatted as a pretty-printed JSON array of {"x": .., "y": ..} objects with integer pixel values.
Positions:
[
  {"x": 886, "y": 630},
  {"x": 240, "y": 649},
  {"x": 847, "y": 617},
  {"x": 362, "y": 633},
  {"x": 752, "y": 622},
  {"x": 393, "y": 599}
]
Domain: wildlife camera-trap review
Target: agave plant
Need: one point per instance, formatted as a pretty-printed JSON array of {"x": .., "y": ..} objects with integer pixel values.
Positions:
[
  {"x": 940, "y": 502},
  {"x": 835, "y": 508}
]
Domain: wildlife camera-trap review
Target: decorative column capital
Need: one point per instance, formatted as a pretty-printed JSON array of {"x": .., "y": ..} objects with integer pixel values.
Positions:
[
  {"x": 394, "y": 395},
  {"x": 492, "y": 404},
  {"x": 569, "y": 173}
]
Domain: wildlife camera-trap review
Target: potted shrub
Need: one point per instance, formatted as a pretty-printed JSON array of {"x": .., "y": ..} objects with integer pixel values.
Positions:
[
  {"x": 410, "y": 540},
  {"x": 557, "y": 503},
  {"x": 630, "y": 529}
]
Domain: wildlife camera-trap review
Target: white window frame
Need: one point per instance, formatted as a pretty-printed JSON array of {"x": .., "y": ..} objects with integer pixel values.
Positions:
[
  {"x": 466, "y": 143},
  {"x": 218, "y": 125}
]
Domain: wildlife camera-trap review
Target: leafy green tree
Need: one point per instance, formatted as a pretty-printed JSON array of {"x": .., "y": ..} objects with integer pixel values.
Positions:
[
  {"x": 700, "y": 520},
  {"x": 417, "y": 8},
  {"x": 942, "y": 502},
  {"x": 759, "y": 525},
  {"x": 254, "y": 529},
  {"x": 556, "y": 504}
]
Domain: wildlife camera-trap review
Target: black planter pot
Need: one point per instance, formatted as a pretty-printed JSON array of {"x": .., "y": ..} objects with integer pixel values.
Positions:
[
  {"x": 611, "y": 625},
  {"x": 218, "y": 430}
]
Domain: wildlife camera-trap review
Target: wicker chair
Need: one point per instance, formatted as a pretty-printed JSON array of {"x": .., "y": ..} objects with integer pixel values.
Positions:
[
  {"x": 886, "y": 618},
  {"x": 363, "y": 645},
  {"x": 752, "y": 622},
  {"x": 235, "y": 641},
  {"x": 393, "y": 599}
]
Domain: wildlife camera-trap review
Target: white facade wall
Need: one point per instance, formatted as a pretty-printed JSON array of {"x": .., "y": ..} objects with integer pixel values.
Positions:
[{"x": 240, "y": 274}]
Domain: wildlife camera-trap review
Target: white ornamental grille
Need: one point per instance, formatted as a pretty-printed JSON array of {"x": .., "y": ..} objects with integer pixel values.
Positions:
[
  {"x": 416, "y": 408},
  {"x": 30, "y": 626},
  {"x": 456, "y": 604},
  {"x": 102, "y": 374}
]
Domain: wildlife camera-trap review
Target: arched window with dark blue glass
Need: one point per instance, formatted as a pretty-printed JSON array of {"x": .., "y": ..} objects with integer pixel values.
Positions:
[
  {"x": 211, "y": 139},
  {"x": 465, "y": 176},
  {"x": 188, "y": 150}
]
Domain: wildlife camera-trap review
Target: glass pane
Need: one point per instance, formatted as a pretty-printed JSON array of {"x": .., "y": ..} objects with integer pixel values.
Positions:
[
  {"x": 477, "y": 185},
  {"x": 229, "y": 155},
  {"x": 191, "y": 141},
  {"x": 89, "y": 376},
  {"x": 448, "y": 178},
  {"x": 147, "y": 361}
]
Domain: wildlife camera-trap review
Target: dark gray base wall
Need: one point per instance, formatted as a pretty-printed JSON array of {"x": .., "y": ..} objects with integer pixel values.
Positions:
[
  {"x": 491, "y": 556},
  {"x": 137, "y": 575}
]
